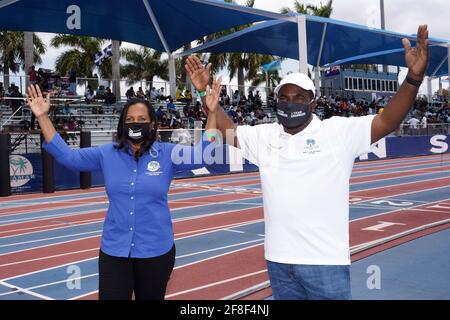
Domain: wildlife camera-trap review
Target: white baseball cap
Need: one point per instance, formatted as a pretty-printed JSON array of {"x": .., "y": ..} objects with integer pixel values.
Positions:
[{"x": 299, "y": 80}]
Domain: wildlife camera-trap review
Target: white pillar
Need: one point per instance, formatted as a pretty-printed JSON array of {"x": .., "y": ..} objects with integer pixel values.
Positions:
[
  {"x": 430, "y": 89},
  {"x": 317, "y": 81},
  {"x": 172, "y": 76},
  {"x": 302, "y": 44}
]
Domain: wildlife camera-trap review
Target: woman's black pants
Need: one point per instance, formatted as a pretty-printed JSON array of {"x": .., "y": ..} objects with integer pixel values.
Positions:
[{"x": 147, "y": 278}]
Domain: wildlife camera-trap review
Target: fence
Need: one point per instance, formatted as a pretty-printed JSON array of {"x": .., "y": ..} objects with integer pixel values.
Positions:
[{"x": 430, "y": 130}]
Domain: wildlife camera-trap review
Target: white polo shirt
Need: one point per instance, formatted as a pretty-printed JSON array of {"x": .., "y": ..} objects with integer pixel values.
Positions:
[{"x": 305, "y": 182}]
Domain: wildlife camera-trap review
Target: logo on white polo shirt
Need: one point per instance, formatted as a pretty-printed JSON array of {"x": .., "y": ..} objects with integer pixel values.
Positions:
[
  {"x": 311, "y": 147},
  {"x": 153, "y": 167}
]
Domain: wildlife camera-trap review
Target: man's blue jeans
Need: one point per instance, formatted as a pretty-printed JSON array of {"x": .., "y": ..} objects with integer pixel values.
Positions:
[{"x": 307, "y": 282}]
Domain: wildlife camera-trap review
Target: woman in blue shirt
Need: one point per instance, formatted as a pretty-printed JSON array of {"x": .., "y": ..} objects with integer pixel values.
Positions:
[{"x": 137, "y": 251}]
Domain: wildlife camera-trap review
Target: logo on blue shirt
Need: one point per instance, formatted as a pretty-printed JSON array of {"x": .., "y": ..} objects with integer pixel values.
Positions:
[{"x": 153, "y": 166}]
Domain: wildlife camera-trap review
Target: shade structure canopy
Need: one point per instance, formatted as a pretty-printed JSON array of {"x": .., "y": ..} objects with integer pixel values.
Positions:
[
  {"x": 164, "y": 25},
  {"x": 329, "y": 42}
]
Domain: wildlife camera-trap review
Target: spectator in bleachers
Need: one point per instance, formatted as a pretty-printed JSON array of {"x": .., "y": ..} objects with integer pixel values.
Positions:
[
  {"x": 175, "y": 121},
  {"x": 110, "y": 98},
  {"x": 424, "y": 125},
  {"x": 259, "y": 114},
  {"x": 414, "y": 125},
  {"x": 236, "y": 98},
  {"x": 188, "y": 96},
  {"x": 258, "y": 100},
  {"x": 140, "y": 93},
  {"x": 251, "y": 97},
  {"x": 154, "y": 95},
  {"x": 443, "y": 113},
  {"x": 16, "y": 102},
  {"x": 2, "y": 90},
  {"x": 164, "y": 124},
  {"x": 10, "y": 90},
  {"x": 171, "y": 106},
  {"x": 242, "y": 100},
  {"x": 179, "y": 95},
  {"x": 186, "y": 109},
  {"x": 224, "y": 98},
  {"x": 66, "y": 109},
  {"x": 73, "y": 81},
  {"x": 233, "y": 114},
  {"x": 32, "y": 75},
  {"x": 89, "y": 95},
  {"x": 100, "y": 93},
  {"x": 130, "y": 93},
  {"x": 72, "y": 126},
  {"x": 272, "y": 101},
  {"x": 193, "y": 111},
  {"x": 160, "y": 112},
  {"x": 161, "y": 95}
]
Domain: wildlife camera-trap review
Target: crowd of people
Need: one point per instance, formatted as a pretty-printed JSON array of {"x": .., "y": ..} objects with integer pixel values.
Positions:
[
  {"x": 243, "y": 109},
  {"x": 328, "y": 107}
]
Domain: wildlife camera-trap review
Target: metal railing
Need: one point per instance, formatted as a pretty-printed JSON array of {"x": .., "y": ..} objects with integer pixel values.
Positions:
[{"x": 430, "y": 130}]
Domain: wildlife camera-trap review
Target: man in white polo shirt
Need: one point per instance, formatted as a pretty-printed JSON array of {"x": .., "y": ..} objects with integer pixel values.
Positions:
[{"x": 305, "y": 166}]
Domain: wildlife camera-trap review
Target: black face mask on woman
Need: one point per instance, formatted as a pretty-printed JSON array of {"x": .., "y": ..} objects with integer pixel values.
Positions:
[
  {"x": 137, "y": 132},
  {"x": 293, "y": 115}
]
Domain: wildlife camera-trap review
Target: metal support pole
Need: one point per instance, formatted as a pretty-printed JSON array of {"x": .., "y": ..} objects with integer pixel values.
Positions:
[
  {"x": 302, "y": 44},
  {"x": 85, "y": 177}
]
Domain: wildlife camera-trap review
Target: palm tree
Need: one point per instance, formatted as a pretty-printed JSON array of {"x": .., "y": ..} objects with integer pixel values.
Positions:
[
  {"x": 246, "y": 65},
  {"x": 258, "y": 78},
  {"x": 80, "y": 55},
  {"x": 320, "y": 11},
  {"x": 115, "y": 67},
  {"x": 298, "y": 7},
  {"x": 323, "y": 10},
  {"x": 182, "y": 71},
  {"x": 12, "y": 52},
  {"x": 144, "y": 64}
]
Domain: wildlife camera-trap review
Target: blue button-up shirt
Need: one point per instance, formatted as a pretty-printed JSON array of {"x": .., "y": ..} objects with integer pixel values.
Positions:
[{"x": 138, "y": 222}]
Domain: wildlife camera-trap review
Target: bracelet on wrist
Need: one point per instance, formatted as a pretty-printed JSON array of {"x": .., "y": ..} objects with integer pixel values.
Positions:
[{"x": 413, "y": 82}]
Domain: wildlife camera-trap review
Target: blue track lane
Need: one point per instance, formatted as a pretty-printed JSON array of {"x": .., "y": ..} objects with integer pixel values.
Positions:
[{"x": 417, "y": 270}]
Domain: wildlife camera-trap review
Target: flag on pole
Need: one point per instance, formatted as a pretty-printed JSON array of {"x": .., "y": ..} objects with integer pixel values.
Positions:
[
  {"x": 100, "y": 56},
  {"x": 272, "y": 66}
]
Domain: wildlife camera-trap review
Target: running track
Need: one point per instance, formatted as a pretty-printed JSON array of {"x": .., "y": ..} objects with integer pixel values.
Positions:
[{"x": 49, "y": 243}]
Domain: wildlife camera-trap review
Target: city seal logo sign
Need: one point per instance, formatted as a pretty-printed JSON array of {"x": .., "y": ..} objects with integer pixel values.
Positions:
[{"x": 21, "y": 171}]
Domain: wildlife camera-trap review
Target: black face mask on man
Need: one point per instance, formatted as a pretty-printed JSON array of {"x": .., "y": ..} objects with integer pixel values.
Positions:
[
  {"x": 293, "y": 115},
  {"x": 137, "y": 132}
]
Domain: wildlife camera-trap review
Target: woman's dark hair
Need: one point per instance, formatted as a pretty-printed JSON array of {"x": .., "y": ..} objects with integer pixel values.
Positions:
[{"x": 122, "y": 142}]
